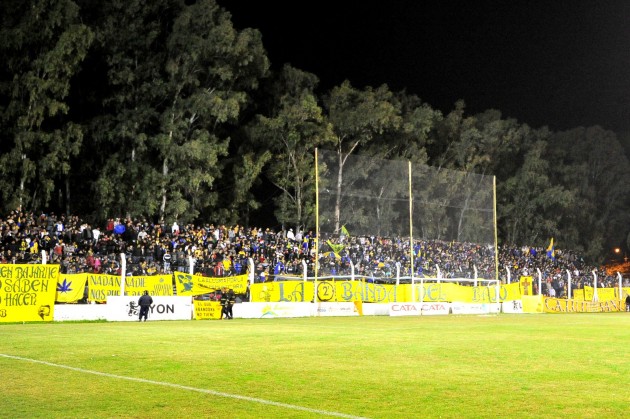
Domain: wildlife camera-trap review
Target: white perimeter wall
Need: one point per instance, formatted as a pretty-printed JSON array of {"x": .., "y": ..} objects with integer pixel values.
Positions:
[{"x": 181, "y": 308}]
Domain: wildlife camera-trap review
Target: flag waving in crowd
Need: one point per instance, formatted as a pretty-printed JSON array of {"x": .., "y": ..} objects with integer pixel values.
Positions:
[
  {"x": 551, "y": 250},
  {"x": 336, "y": 248}
]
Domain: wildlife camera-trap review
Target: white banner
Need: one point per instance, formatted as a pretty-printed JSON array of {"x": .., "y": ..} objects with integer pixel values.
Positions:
[
  {"x": 472, "y": 308},
  {"x": 418, "y": 309},
  {"x": 76, "y": 312},
  {"x": 404, "y": 309},
  {"x": 272, "y": 310},
  {"x": 120, "y": 309},
  {"x": 336, "y": 309},
  {"x": 513, "y": 306},
  {"x": 435, "y": 309}
]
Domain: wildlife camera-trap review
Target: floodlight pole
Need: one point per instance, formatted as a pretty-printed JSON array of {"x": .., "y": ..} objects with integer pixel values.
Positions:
[
  {"x": 509, "y": 275},
  {"x": 317, "y": 233},
  {"x": 498, "y": 291},
  {"x": 539, "y": 281},
  {"x": 413, "y": 292},
  {"x": 568, "y": 284},
  {"x": 44, "y": 257},
  {"x": 620, "y": 287},
  {"x": 595, "y": 296},
  {"x": 475, "y": 269}
]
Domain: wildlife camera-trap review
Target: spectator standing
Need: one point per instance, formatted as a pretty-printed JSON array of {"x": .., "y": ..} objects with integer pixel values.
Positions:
[
  {"x": 144, "y": 302},
  {"x": 224, "y": 302},
  {"x": 231, "y": 299}
]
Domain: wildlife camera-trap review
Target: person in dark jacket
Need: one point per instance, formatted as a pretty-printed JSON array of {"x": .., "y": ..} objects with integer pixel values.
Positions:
[
  {"x": 144, "y": 302},
  {"x": 224, "y": 302},
  {"x": 231, "y": 299},
  {"x": 628, "y": 303}
]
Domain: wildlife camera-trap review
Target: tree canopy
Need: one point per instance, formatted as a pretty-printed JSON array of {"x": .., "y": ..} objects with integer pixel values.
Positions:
[{"x": 164, "y": 110}]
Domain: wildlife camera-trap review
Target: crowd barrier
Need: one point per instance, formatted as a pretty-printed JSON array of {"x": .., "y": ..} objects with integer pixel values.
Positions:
[{"x": 29, "y": 293}]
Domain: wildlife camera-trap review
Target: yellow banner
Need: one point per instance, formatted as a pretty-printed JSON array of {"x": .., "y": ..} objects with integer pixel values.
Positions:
[
  {"x": 27, "y": 292},
  {"x": 70, "y": 288},
  {"x": 188, "y": 284},
  {"x": 510, "y": 292},
  {"x": 578, "y": 294},
  {"x": 556, "y": 305},
  {"x": 603, "y": 294},
  {"x": 532, "y": 303},
  {"x": 207, "y": 310},
  {"x": 157, "y": 285},
  {"x": 101, "y": 286},
  {"x": 327, "y": 291},
  {"x": 347, "y": 291},
  {"x": 526, "y": 283}
]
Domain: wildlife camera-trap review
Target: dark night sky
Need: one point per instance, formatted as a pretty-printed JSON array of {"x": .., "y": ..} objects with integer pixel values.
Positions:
[{"x": 561, "y": 64}]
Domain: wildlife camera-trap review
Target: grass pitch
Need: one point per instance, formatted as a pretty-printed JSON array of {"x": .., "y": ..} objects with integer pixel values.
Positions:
[{"x": 534, "y": 366}]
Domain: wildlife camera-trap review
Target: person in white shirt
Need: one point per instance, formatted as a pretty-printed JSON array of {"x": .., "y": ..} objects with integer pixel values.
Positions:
[{"x": 96, "y": 233}]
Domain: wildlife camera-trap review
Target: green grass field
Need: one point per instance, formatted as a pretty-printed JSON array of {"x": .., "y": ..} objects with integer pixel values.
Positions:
[{"x": 534, "y": 366}]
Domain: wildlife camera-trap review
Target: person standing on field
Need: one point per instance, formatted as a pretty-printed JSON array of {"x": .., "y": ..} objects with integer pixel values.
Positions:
[
  {"x": 144, "y": 302},
  {"x": 231, "y": 299},
  {"x": 224, "y": 303},
  {"x": 628, "y": 302}
]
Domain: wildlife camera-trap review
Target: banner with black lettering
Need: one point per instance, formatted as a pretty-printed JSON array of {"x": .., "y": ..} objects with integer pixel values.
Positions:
[
  {"x": 163, "y": 308},
  {"x": 27, "y": 292},
  {"x": 102, "y": 286},
  {"x": 188, "y": 284}
]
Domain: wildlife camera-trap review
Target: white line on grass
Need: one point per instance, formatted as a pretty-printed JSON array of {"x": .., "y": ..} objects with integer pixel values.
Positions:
[{"x": 181, "y": 387}]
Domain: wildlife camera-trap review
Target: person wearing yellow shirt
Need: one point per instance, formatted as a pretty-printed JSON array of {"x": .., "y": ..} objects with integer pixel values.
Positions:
[
  {"x": 227, "y": 264},
  {"x": 34, "y": 247}
]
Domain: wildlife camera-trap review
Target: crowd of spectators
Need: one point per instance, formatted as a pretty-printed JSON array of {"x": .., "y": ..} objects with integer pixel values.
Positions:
[{"x": 219, "y": 250}]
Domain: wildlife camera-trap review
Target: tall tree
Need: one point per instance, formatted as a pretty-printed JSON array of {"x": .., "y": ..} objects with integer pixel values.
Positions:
[
  {"x": 478, "y": 146},
  {"x": 131, "y": 42},
  {"x": 357, "y": 117},
  {"x": 592, "y": 163},
  {"x": 42, "y": 44},
  {"x": 209, "y": 69},
  {"x": 291, "y": 133},
  {"x": 531, "y": 204}
]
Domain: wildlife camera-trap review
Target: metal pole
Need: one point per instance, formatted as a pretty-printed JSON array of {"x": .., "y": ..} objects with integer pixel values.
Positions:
[
  {"x": 123, "y": 272},
  {"x": 191, "y": 265},
  {"x": 251, "y": 276}
]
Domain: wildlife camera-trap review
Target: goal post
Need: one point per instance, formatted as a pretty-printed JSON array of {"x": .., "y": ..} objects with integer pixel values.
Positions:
[{"x": 410, "y": 210}]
